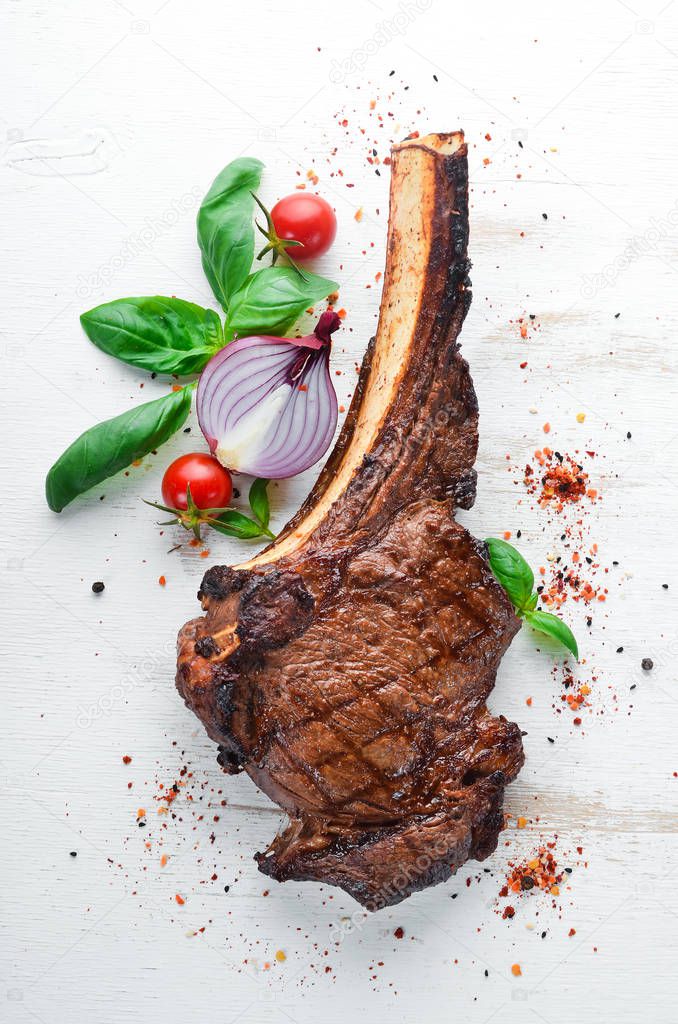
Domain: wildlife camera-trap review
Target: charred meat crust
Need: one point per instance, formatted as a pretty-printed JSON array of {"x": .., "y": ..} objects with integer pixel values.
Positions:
[
  {"x": 347, "y": 666},
  {"x": 426, "y": 850},
  {"x": 273, "y": 609}
]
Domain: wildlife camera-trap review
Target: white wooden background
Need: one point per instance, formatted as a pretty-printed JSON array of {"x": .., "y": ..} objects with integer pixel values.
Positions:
[{"x": 115, "y": 117}]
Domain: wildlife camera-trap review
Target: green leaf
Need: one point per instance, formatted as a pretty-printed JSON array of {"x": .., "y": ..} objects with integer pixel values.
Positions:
[
  {"x": 110, "y": 446},
  {"x": 512, "y": 571},
  {"x": 259, "y": 502},
  {"x": 235, "y": 524},
  {"x": 225, "y": 229},
  {"x": 544, "y": 622},
  {"x": 163, "y": 335},
  {"x": 272, "y": 299}
]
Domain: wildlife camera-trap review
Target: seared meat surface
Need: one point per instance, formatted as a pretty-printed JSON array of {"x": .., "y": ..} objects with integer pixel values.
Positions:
[{"x": 347, "y": 667}]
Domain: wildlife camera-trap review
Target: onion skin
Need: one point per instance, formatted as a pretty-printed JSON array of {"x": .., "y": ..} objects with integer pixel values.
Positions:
[{"x": 267, "y": 406}]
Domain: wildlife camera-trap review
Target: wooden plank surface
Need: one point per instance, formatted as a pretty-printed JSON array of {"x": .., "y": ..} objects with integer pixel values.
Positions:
[{"x": 116, "y": 117}]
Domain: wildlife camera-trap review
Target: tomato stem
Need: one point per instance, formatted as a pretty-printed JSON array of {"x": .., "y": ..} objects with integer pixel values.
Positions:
[
  {"x": 192, "y": 518},
  {"x": 274, "y": 243}
]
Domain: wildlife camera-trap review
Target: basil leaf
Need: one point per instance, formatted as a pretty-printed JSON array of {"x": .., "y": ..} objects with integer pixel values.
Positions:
[
  {"x": 110, "y": 446},
  {"x": 512, "y": 571},
  {"x": 259, "y": 502},
  {"x": 164, "y": 335},
  {"x": 272, "y": 299},
  {"x": 235, "y": 524},
  {"x": 544, "y": 622},
  {"x": 225, "y": 229}
]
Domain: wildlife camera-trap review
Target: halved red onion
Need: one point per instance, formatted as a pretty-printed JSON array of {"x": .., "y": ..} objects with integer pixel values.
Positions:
[{"x": 267, "y": 406}]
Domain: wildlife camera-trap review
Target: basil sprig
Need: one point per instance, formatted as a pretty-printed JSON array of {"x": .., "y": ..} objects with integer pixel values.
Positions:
[
  {"x": 172, "y": 336},
  {"x": 235, "y": 524},
  {"x": 517, "y": 579},
  {"x": 163, "y": 335},
  {"x": 259, "y": 502},
  {"x": 110, "y": 446},
  {"x": 272, "y": 299},
  {"x": 225, "y": 228}
]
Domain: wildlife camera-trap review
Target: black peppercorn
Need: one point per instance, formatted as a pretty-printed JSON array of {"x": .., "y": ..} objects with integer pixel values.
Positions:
[{"x": 98, "y": 587}]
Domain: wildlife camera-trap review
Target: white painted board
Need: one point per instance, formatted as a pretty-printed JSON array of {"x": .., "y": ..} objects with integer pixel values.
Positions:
[{"x": 116, "y": 116}]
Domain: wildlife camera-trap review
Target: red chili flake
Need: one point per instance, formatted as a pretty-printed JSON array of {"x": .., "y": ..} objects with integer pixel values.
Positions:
[
  {"x": 539, "y": 872},
  {"x": 126, "y": 759},
  {"x": 180, "y": 900},
  {"x": 564, "y": 480},
  {"x": 399, "y": 933},
  {"x": 162, "y": 581}
]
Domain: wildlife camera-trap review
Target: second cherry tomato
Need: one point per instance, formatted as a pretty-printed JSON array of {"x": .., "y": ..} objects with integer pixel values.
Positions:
[
  {"x": 211, "y": 484},
  {"x": 308, "y": 219}
]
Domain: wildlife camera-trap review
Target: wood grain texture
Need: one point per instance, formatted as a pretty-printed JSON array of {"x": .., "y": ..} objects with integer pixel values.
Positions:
[{"x": 117, "y": 116}]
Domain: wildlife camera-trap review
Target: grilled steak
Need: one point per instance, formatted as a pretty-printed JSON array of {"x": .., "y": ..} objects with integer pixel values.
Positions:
[{"x": 347, "y": 666}]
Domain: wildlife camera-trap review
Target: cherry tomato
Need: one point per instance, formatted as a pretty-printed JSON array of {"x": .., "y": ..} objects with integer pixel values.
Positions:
[
  {"x": 211, "y": 484},
  {"x": 308, "y": 219}
]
